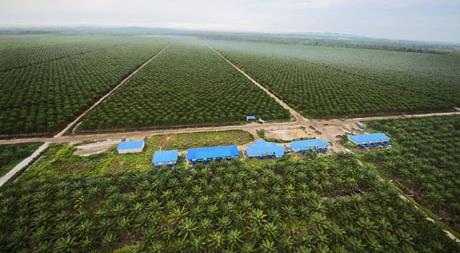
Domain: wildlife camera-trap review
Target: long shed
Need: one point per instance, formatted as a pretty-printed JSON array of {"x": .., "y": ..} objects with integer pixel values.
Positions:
[
  {"x": 370, "y": 140},
  {"x": 262, "y": 149},
  {"x": 212, "y": 153},
  {"x": 312, "y": 145},
  {"x": 132, "y": 146}
]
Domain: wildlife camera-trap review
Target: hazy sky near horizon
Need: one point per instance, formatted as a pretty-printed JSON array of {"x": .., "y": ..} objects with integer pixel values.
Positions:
[{"x": 428, "y": 20}]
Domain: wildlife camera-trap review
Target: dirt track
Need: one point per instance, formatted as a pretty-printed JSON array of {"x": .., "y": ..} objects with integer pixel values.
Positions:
[
  {"x": 325, "y": 129},
  {"x": 77, "y": 120},
  {"x": 328, "y": 128}
]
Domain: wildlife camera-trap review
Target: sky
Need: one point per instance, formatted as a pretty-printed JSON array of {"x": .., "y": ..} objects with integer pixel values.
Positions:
[{"x": 422, "y": 20}]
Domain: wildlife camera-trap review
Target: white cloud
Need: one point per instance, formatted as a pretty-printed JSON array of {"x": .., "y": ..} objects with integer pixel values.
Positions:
[{"x": 407, "y": 19}]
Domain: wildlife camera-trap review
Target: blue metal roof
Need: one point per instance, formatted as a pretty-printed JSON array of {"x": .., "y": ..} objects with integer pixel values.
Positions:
[
  {"x": 194, "y": 154},
  {"x": 165, "y": 157},
  {"x": 129, "y": 145},
  {"x": 360, "y": 139},
  {"x": 250, "y": 117},
  {"x": 305, "y": 145},
  {"x": 263, "y": 148}
]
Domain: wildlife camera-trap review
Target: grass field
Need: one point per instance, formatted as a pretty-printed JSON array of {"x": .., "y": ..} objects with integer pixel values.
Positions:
[
  {"x": 12, "y": 154},
  {"x": 54, "y": 78},
  {"x": 61, "y": 158},
  {"x": 187, "y": 84},
  {"x": 425, "y": 160},
  {"x": 326, "y": 204},
  {"x": 331, "y": 82}
]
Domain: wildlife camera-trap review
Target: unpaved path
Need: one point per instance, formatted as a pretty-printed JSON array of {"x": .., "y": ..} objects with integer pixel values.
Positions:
[
  {"x": 76, "y": 120},
  {"x": 412, "y": 201},
  {"x": 29, "y": 160},
  {"x": 402, "y": 116},
  {"x": 327, "y": 129},
  {"x": 23, "y": 164},
  {"x": 142, "y": 134},
  {"x": 297, "y": 116}
]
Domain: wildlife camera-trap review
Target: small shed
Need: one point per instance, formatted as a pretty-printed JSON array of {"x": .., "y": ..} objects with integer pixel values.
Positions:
[
  {"x": 131, "y": 146},
  {"x": 212, "y": 153},
  {"x": 165, "y": 157},
  {"x": 263, "y": 149},
  {"x": 312, "y": 145},
  {"x": 251, "y": 118},
  {"x": 372, "y": 140}
]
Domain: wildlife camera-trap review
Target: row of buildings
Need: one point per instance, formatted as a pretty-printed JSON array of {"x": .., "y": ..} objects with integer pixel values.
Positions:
[{"x": 260, "y": 149}]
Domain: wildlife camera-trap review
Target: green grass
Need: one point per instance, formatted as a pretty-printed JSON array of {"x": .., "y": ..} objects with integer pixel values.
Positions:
[
  {"x": 325, "y": 204},
  {"x": 187, "y": 85},
  {"x": 12, "y": 154},
  {"x": 60, "y": 158},
  {"x": 424, "y": 161}
]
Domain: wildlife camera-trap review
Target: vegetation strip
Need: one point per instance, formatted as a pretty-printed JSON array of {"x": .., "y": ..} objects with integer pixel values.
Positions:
[
  {"x": 23, "y": 164},
  {"x": 322, "y": 86},
  {"x": 55, "y": 59},
  {"x": 281, "y": 102},
  {"x": 12, "y": 154},
  {"x": 188, "y": 85},
  {"x": 69, "y": 126},
  {"x": 252, "y": 206},
  {"x": 424, "y": 161},
  {"x": 44, "y": 98},
  {"x": 29, "y": 160}
]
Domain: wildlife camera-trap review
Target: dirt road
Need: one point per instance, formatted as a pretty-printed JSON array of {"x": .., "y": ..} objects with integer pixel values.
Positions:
[
  {"x": 402, "y": 116},
  {"x": 46, "y": 141},
  {"x": 146, "y": 133},
  {"x": 297, "y": 116},
  {"x": 326, "y": 129},
  {"x": 77, "y": 120}
]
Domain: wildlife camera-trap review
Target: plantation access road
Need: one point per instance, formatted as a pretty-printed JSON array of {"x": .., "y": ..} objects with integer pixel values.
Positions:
[
  {"x": 297, "y": 116},
  {"x": 146, "y": 133},
  {"x": 35, "y": 155},
  {"x": 76, "y": 120},
  {"x": 326, "y": 127}
]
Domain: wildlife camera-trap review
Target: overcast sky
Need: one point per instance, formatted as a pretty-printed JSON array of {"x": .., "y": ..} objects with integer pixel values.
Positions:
[{"x": 428, "y": 20}]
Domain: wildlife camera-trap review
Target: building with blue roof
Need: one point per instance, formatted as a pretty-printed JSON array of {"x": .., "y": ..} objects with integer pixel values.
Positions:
[
  {"x": 312, "y": 145},
  {"x": 165, "y": 157},
  {"x": 250, "y": 118},
  {"x": 263, "y": 149},
  {"x": 370, "y": 140},
  {"x": 132, "y": 146},
  {"x": 212, "y": 153}
]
